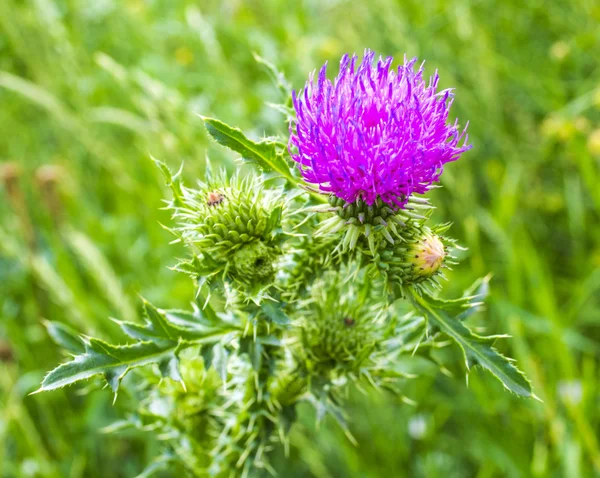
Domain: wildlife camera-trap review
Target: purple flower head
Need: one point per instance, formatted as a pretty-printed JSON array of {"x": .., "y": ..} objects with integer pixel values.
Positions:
[{"x": 374, "y": 132}]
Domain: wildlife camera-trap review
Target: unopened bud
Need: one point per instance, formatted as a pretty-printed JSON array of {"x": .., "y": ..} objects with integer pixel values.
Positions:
[
  {"x": 418, "y": 259},
  {"x": 254, "y": 262},
  {"x": 427, "y": 255},
  {"x": 234, "y": 227}
]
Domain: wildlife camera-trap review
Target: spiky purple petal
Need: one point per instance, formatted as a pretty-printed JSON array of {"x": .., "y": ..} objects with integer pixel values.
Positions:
[{"x": 374, "y": 132}]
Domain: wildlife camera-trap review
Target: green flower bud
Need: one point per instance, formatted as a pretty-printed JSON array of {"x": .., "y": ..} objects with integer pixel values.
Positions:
[
  {"x": 340, "y": 329},
  {"x": 418, "y": 258},
  {"x": 234, "y": 228},
  {"x": 427, "y": 255},
  {"x": 254, "y": 262}
]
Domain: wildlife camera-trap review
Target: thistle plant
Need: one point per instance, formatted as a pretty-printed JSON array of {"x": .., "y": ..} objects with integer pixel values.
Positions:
[{"x": 305, "y": 263}]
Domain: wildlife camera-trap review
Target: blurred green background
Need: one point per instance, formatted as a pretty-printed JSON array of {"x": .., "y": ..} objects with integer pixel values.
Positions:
[{"x": 89, "y": 89}]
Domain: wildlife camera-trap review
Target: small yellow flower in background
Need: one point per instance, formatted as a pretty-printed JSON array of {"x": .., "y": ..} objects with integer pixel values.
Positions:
[
  {"x": 494, "y": 169},
  {"x": 550, "y": 126},
  {"x": 582, "y": 124},
  {"x": 184, "y": 56},
  {"x": 330, "y": 46},
  {"x": 593, "y": 143},
  {"x": 563, "y": 129},
  {"x": 560, "y": 50}
]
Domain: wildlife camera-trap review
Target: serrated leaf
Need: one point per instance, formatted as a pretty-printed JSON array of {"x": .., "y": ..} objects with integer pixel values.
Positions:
[
  {"x": 158, "y": 322},
  {"x": 467, "y": 305},
  {"x": 176, "y": 325},
  {"x": 207, "y": 356},
  {"x": 477, "y": 350},
  {"x": 193, "y": 319},
  {"x": 169, "y": 367},
  {"x": 263, "y": 154},
  {"x": 101, "y": 358},
  {"x": 65, "y": 337},
  {"x": 160, "y": 342},
  {"x": 275, "y": 313},
  {"x": 113, "y": 376}
]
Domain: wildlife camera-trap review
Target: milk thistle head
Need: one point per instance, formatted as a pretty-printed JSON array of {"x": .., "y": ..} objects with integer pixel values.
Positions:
[
  {"x": 290, "y": 308},
  {"x": 374, "y": 132}
]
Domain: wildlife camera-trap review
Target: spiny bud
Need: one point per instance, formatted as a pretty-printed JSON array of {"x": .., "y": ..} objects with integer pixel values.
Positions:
[
  {"x": 378, "y": 220},
  {"x": 254, "y": 261},
  {"x": 233, "y": 226},
  {"x": 221, "y": 220},
  {"x": 332, "y": 338},
  {"x": 427, "y": 255},
  {"x": 340, "y": 328},
  {"x": 418, "y": 258}
]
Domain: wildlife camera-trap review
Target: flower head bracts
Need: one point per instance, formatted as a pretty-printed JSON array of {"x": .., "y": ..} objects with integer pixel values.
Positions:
[{"x": 374, "y": 132}]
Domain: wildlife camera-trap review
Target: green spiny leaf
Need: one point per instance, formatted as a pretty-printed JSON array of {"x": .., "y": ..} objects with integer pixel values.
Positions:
[
  {"x": 198, "y": 318},
  {"x": 275, "y": 313},
  {"x": 163, "y": 326},
  {"x": 263, "y": 154},
  {"x": 112, "y": 361},
  {"x": 169, "y": 367},
  {"x": 160, "y": 342},
  {"x": 478, "y": 350},
  {"x": 158, "y": 321},
  {"x": 173, "y": 181},
  {"x": 467, "y": 305}
]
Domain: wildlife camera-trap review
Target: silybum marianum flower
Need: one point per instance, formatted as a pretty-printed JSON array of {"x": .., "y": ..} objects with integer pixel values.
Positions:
[
  {"x": 371, "y": 139},
  {"x": 374, "y": 132}
]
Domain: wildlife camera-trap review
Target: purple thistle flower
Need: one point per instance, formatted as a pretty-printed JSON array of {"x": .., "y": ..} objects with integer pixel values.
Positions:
[{"x": 373, "y": 132}]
